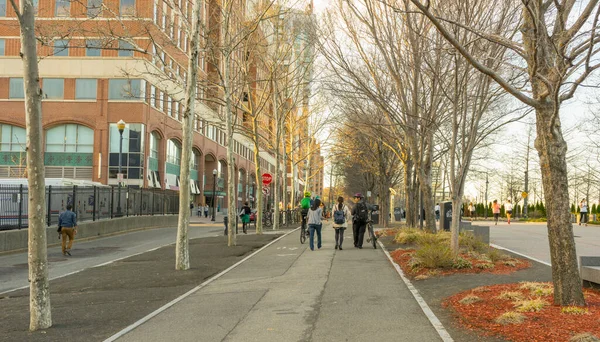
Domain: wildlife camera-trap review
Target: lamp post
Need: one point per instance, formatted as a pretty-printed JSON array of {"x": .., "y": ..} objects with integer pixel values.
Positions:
[
  {"x": 121, "y": 128},
  {"x": 214, "y": 194}
]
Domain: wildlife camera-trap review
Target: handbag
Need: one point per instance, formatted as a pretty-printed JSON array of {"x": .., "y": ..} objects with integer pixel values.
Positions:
[{"x": 59, "y": 229}]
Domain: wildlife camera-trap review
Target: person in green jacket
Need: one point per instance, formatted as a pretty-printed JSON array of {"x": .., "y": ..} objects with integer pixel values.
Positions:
[{"x": 304, "y": 206}]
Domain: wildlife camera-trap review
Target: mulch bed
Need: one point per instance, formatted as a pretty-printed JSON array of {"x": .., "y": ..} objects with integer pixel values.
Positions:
[
  {"x": 403, "y": 256},
  {"x": 549, "y": 324}
]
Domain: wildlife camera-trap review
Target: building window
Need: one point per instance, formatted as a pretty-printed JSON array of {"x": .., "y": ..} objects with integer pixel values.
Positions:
[
  {"x": 154, "y": 141},
  {"x": 132, "y": 158},
  {"x": 125, "y": 49},
  {"x": 161, "y": 101},
  {"x": 70, "y": 138},
  {"x": 2, "y": 52},
  {"x": 173, "y": 152},
  {"x": 85, "y": 89},
  {"x": 16, "y": 89},
  {"x": 12, "y": 138},
  {"x": 170, "y": 107},
  {"x": 127, "y": 8},
  {"x": 61, "y": 47},
  {"x": 54, "y": 88},
  {"x": 94, "y": 8},
  {"x": 153, "y": 96},
  {"x": 3, "y": 8},
  {"x": 93, "y": 48},
  {"x": 125, "y": 89},
  {"x": 63, "y": 8}
]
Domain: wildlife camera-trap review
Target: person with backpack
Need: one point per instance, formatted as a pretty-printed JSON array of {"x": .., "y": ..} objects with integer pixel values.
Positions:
[
  {"x": 341, "y": 213},
  {"x": 360, "y": 216},
  {"x": 314, "y": 217},
  {"x": 305, "y": 204},
  {"x": 245, "y": 215}
]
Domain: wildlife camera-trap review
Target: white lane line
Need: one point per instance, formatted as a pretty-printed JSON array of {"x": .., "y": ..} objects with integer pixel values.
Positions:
[
  {"x": 437, "y": 325},
  {"x": 521, "y": 254},
  {"x": 190, "y": 292}
]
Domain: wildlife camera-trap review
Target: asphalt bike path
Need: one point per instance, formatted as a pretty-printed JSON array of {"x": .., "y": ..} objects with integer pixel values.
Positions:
[
  {"x": 286, "y": 292},
  {"x": 93, "y": 253}
]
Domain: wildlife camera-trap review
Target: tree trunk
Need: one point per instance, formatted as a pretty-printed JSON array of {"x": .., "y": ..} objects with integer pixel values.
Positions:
[
  {"x": 411, "y": 205},
  {"x": 258, "y": 178},
  {"x": 39, "y": 291},
  {"x": 455, "y": 224},
  {"x": 552, "y": 150},
  {"x": 231, "y": 176}
]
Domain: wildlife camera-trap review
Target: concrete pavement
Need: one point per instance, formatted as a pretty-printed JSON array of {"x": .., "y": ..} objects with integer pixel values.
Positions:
[{"x": 288, "y": 293}]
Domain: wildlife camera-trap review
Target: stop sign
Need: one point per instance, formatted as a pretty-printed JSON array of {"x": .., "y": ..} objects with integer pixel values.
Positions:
[{"x": 267, "y": 178}]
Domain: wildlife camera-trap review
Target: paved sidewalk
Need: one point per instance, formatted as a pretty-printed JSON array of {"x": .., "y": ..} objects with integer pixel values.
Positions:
[{"x": 289, "y": 293}]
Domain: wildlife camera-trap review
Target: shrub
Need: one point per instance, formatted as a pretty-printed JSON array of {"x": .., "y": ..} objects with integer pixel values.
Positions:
[
  {"x": 543, "y": 291},
  {"x": 532, "y": 285},
  {"x": 511, "y": 262},
  {"x": 407, "y": 236},
  {"x": 485, "y": 265},
  {"x": 511, "y": 295},
  {"x": 481, "y": 289},
  {"x": 496, "y": 255},
  {"x": 434, "y": 256},
  {"x": 510, "y": 317},
  {"x": 575, "y": 310},
  {"x": 584, "y": 337},
  {"x": 428, "y": 239},
  {"x": 530, "y": 305},
  {"x": 461, "y": 263},
  {"x": 414, "y": 263},
  {"x": 470, "y": 243},
  {"x": 470, "y": 299}
]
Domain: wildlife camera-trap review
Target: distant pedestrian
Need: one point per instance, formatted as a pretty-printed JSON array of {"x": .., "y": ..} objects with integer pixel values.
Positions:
[
  {"x": 315, "y": 215},
  {"x": 191, "y": 208},
  {"x": 67, "y": 220},
  {"x": 472, "y": 211},
  {"x": 360, "y": 216},
  {"x": 245, "y": 215},
  {"x": 437, "y": 211},
  {"x": 496, "y": 211},
  {"x": 206, "y": 209},
  {"x": 583, "y": 212},
  {"x": 508, "y": 207},
  {"x": 341, "y": 214}
]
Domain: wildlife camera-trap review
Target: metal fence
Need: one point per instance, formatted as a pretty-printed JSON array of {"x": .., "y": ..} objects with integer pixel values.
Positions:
[{"x": 89, "y": 203}]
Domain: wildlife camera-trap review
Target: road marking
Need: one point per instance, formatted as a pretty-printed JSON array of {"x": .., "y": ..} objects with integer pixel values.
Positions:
[
  {"x": 521, "y": 254},
  {"x": 437, "y": 325},
  {"x": 190, "y": 292}
]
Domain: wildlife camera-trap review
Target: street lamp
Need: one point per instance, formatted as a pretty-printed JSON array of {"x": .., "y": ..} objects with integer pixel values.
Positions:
[
  {"x": 214, "y": 193},
  {"x": 121, "y": 128}
]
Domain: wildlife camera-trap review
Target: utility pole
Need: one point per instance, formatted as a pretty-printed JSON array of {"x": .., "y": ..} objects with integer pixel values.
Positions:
[{"x": 486, "y": 195}]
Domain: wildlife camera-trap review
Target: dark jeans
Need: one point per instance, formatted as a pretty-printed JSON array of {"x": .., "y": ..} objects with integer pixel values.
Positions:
[
  {"x": 339, "y": 236},
  {"x": 358, "y": 228},
  {"x": 312, "y": 228},
  {"x": 583, "y": 217}
]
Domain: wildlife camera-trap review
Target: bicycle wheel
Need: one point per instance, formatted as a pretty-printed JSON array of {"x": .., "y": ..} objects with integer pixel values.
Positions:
[
  {"x": 302, "y": 235},
  {"x": 267, "y": 221},
  {"x": 373, "y": 237}
]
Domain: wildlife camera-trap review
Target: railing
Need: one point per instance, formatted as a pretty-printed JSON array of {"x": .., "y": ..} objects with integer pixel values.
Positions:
[{"x": 89, "y": 203}]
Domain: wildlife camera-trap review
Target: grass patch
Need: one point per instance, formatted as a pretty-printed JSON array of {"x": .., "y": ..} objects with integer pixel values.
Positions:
[
  {"x": 510, "y": 317},
  {"x": 485, "y": 265},
  {"x": 481, "y": 289},
  {"x": 434, "y": 256},
  {"x": 530, "y": 305},
  {"x": 469, "y": 243},
  {"x": 511, "y": 295},
  {"x": 574, "y": 310},
  {"x": 407, "y": 236},
  {"x": 584, "y": 337},
  {"x": 532, "y": 286},
  {"x": 495, "y": 255},
  {"x": 511, "y": 263},
  {"x": 462, "y": 263},
  {"x": 470, "y": 299}
]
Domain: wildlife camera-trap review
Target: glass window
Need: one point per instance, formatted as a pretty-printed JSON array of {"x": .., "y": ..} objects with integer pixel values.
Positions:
[
  {"x": 154, "y": 141},
  {"x": 127, "y": 7},
  {"x": 94, "y": 8},
  {"x": 3, "y": 8},
  {"x": 86, "y": 89},
  {"x": 54, "y": 88},
  {"x": 153, "y": 96},
  {"x": 93, "y": 48},
  {"x": 70, "y": 138},
  {"x": 61, "y": 47},
  {"x": 2, "y": 52},
  {"x": 16, "y": 90},
  {"x": 124, "y": 89},
  {"x": 173, "y": 152},
  {"x": 12, "y": 138},
  {"x": 63, "y": 8},
  {"x": 132, "y": 158},
  {"x": 125, "y": 49}
]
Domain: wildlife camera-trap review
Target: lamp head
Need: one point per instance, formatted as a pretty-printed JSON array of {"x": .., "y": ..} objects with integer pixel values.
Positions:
[
  {"x": 121, "y": 126},
  {"x": 215, "y": 172}
]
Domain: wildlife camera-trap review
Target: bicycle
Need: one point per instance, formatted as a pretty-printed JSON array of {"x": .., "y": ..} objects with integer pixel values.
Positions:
[
  {"x": 372, "y": 238},
  {"x": 267, "y": 219},
  {"x": 303, "y": 229}
]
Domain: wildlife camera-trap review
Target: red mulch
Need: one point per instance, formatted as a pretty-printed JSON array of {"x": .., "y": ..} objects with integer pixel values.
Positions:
[
  {"x": 386, "y": 232},
  {"x": 403, "y": 256},
  {"x": 549, "y": 324}
]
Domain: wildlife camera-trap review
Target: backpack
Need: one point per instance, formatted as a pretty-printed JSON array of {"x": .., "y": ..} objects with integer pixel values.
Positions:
[
  {"x": 339, "y": 217},
  {"x": 362, "y": 213}
]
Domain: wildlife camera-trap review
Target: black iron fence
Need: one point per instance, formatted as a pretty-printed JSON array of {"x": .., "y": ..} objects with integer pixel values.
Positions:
[{"x": 89, "y": 203}]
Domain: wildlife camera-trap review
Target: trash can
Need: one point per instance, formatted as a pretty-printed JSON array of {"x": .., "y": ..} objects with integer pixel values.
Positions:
[
  {"x": 375, "y": 214},
  {"x": 445, "y": 216},
  {"x": 397, "y": 214},
  {"x": 226, "y": 220}
]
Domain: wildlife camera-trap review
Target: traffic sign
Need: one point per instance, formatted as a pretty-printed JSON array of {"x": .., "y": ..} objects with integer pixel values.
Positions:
[
  {"x": 267, "y": 178},
  {"x": 524, "y": 194},
  {"x": 266, "y": 190}
]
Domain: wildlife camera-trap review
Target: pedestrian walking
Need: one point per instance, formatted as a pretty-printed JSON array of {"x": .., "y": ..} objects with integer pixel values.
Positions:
[
  {"x": 245, "y": 215},
  {"x": 341, "y": 214},
  {"x": 67, "y": 221},
  {"x": 360, "y": 216},
  {"x": 315, "y": 216},
  {"x": 496, "y": 211},
  {"x": 508, "y": 207},
  {"x": 191, "y": 208},
  {"x": 583, "y": 212},
  {"x": 206, "y": 209},
  {"x": 437, "y": 211},
  {"x": 472, "y": 210}
]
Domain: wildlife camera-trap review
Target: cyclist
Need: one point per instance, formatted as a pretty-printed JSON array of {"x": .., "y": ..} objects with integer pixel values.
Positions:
[
  {"x": 360, "y": 216},
  {"x": 304, "y": 206}
]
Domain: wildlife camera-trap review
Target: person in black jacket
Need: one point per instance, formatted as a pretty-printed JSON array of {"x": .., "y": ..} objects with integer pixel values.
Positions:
[
  {"x": 245, "y": 215},
  {"x": 360, "y": 216}
]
